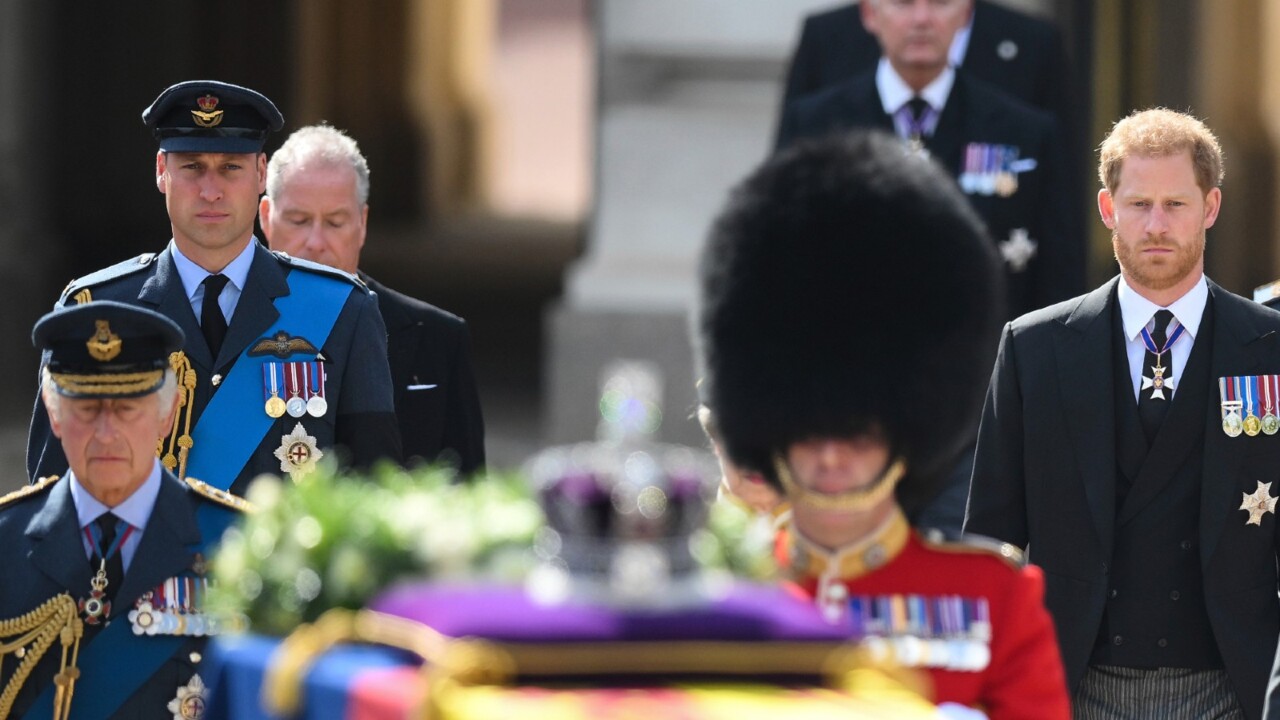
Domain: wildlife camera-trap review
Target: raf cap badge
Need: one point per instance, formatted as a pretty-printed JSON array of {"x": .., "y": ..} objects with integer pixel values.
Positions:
[
  {"x": 1258, "y": 504},
  {"x": 208, "y": 115},
  {"x": 104, "y": 345}
]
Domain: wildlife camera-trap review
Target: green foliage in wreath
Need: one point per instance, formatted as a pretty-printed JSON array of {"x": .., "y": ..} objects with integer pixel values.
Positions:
[{"x": 335, "y": 540}]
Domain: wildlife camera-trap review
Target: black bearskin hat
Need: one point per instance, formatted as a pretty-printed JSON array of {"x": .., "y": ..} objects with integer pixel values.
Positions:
[{"x": 848, "y": 287}]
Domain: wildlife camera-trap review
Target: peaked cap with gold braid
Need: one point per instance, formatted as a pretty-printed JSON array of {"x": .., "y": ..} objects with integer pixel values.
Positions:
[{"x": 106, "y": 349}]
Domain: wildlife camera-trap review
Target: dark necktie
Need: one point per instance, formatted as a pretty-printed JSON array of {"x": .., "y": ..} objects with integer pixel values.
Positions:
[
  {"x": 212, "y": 322},
  {"x": 919, "y": 108},
  {"x": 107, "y": 526},
  {"x": 1151, "y": 408}
]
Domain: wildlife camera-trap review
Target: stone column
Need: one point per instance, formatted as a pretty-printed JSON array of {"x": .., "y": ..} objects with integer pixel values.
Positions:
[
  {"x": 687, "y": 103},
  {"x": 24, "y": 238}
]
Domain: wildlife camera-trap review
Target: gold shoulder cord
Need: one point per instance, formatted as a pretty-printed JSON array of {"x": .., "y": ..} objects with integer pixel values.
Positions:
[
  {"x": 173, "y": 451},
  {"x": 28, "y": 637}
]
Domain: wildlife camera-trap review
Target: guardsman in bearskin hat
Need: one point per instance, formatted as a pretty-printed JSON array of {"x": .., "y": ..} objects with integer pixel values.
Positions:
[
  {"x": 104, "y": 568},
  {"x": 850, "y": 304}
]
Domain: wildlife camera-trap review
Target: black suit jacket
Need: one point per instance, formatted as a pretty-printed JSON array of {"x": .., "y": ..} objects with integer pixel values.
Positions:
[
  {"x": 1045, "y": 476},
  {"x": 361, "y": 415},
  {"x": 44, "y": 556},
  {"x": 978, "y": 113},
  {"x": 834, "y": 46},
  {"x": 437, "y": 405}
]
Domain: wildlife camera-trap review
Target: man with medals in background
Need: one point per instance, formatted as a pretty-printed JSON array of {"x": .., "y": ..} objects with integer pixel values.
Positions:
[
  {"x": 850, "y": 390},
  {"x": 285, "y": 360},
  {"x": 119, "y": 540}
]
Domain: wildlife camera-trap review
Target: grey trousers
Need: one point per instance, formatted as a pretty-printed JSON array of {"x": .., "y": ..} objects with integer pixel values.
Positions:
[{"x": 1120, "y": 693}]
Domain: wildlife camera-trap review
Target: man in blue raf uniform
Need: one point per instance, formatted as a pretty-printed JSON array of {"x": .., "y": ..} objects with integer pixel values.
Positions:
[
  {"x": 285, "y": 359},
  {"x": 317, "y": 208},
  {"x": 119, "y": 534}
]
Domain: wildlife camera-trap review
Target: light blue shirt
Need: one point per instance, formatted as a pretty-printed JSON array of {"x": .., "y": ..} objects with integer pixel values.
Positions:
[
  {"x": 192, "y": 275},
  {"x": 1137, "y": 312},
  {"x": 135, "y": 510}
]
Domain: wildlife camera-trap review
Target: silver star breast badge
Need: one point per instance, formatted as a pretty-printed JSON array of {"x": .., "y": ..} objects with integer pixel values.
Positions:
[
  {"x": 1018, "y": 249},
  {"x": 1258, "y": 504}
]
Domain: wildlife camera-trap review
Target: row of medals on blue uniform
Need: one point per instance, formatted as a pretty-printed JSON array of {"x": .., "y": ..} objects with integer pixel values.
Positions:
[
  {"x": 174, "y": 608},
  {"x": 303, "y": 382}
]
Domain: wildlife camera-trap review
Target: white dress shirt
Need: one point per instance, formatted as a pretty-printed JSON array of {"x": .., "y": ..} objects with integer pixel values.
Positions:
[
  {"x": 192, "y": 275},
  {"x": 1137, "y": 312},
  {"x": 135, "y": 510}
]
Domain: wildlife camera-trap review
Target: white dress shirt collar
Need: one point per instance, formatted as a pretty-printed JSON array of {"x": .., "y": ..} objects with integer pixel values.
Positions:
[
  {"x": 192, "y": 275},
  {"x": 1136, "y": 311},
  {"x": 960, "y": 43},
  {"x": 135, "y": 510},
  {"x": 894, "y": 91}
]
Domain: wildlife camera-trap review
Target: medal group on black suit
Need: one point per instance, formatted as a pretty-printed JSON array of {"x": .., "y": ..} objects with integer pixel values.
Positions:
[{"x": 1122, "y": 464}]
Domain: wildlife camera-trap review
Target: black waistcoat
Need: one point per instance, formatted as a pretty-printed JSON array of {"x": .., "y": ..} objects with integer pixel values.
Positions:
[{"x": 1155, "y": 615}]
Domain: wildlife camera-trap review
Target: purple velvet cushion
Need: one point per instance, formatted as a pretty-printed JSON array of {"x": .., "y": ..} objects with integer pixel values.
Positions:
[{"x": 506, "y": 614}]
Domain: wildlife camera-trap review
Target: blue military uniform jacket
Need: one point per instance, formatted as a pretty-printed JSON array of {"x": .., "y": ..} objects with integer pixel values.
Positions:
[
  {"x": 360, "y": 416},
  {"x": 435, "y": 389},
  {"x": 45, "y": 556}
]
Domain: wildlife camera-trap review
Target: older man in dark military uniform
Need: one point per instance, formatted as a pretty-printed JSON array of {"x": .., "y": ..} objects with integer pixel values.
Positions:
[
  {"x": 115, "y": 549},
  {"x": 850, "y": 390},
  {"x": 285, "y": 359}
]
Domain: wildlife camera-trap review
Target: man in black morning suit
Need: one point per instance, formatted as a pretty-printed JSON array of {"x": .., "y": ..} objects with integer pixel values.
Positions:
[
  {"x": 1006, "y": 155},
  {"x": 317, "y": 208},
  {"x": 1105, "y": 450},
  {"x": 289, "y": 363},
  {"x": 1017, "y": 53},
  {"x": 110, "y": 395}
]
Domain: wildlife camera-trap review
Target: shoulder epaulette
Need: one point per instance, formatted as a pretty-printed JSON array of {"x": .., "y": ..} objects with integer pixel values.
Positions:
[
  {"x": 974, "y": 544},
  {"x": 33, "y": 489},
  {"x": 222, "y": 497},
  {"x": 319, "y": 268},
  {"x": 120, "y": 269}
]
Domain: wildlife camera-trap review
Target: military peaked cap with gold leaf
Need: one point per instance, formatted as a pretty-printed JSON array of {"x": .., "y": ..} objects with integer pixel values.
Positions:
[
  {"x": 211, "y": 116},
  {"x": 106, "y": 349}
]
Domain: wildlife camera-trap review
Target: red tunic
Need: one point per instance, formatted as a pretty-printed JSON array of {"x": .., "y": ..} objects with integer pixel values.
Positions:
[{"x": 938, "y": 591}]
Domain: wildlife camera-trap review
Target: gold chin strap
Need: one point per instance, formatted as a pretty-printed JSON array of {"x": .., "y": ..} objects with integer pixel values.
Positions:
[
  {"x": 856, "y": 500},
  {"x": 173, "y": 450},
  {"x": 28, "y": 637}
]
